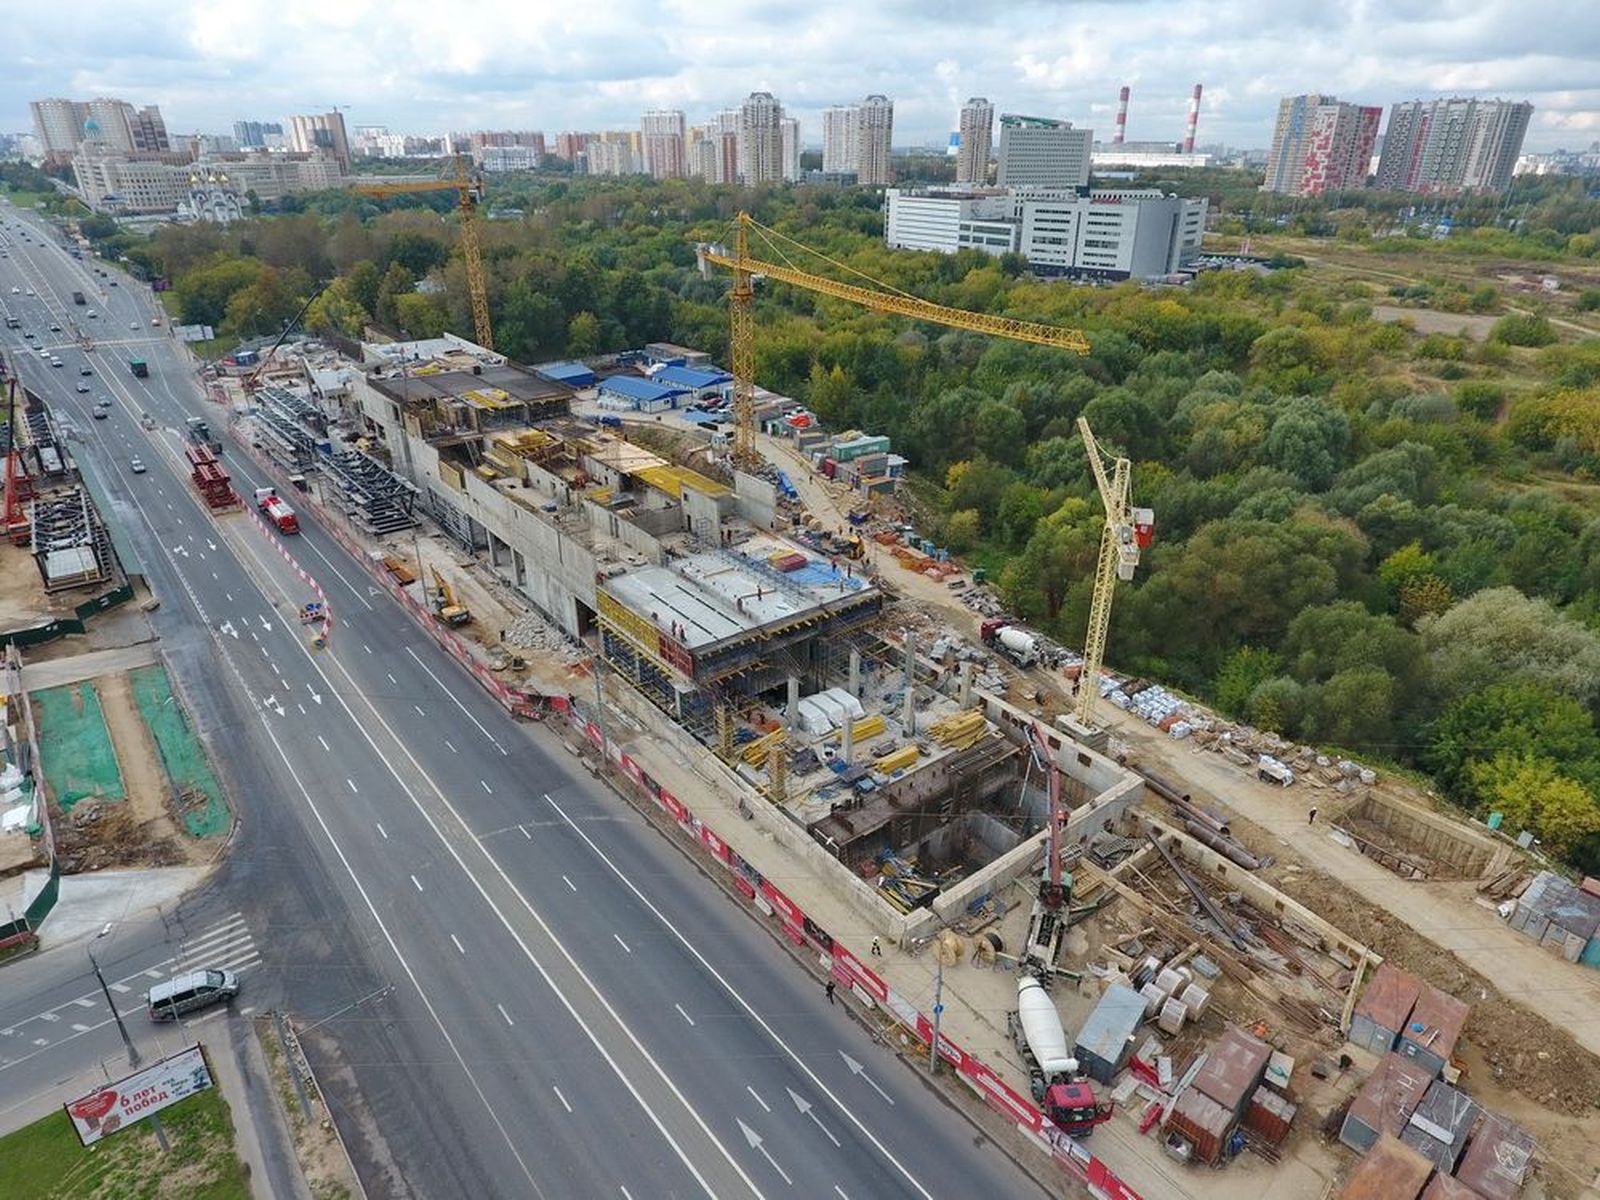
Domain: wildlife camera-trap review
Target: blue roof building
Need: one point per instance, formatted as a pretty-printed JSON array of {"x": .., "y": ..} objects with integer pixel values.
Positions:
[
  {"x": 573, "y": 374},
  {"x": 698, "y": 380},
  {"x": 642, "y": 395}
]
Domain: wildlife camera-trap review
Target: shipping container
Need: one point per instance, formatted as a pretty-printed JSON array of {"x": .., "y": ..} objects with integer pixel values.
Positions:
[
  {"x": 1270, "y": 1115},
  {"x": 1440, "y": 1124},
  {"x": 1105, "y": 1040},
  {"x": 1380, "y": 1017},
  {"x": 1435, "y": 1024},
  {"x": 1497, "y": 1160},
  {"x": 1390, "y": 1171},
  {"x": 1203, "y": 1122},
  {"x": 1385, "y": 1102},
  {"x": 1233, "y": 1070}
]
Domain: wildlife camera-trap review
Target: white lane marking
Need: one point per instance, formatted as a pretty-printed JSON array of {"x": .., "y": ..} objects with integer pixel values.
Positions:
[
  {"x": 325, "y": 745},
  {"x": 80, "y": 1028},
  {"x": 525, "y": 832},
  {"x": 406, "y": 966},
  {"x": 120, "y": 987},
  {"x": 392, "y": 679},
  {"x": 229, "y": 595},
  {"x": 626, "y": 1194},
  {"x": 486, "y": 786},
  {"x": 84, "y": 1002},
  {"x": 569, "y": 883},
  {"x": 453, "y": 750},
  {"x": 301, "y": 707},
  {"x": 622, "y": 943},
  {"x": 465, "y": 832},
  {"x": 505, "y": 1014},
  {"x": 460, "y": 949},
  {"x": 418, "y": 707},
  {"x": 366, "y": 647},
  {"x": 361, "y": 596},
  {"x": 351, "y": 784},
  {"x": 840, "y": 1190},
  {"x": 754, "y": 1093},
  {"x": 683, "y": 1014},
  {"x": 456, "y": 700},
  {"x": 561, "y": 1098},
  {"x": 382, "y": 830},
  {"x": 742, "y": 1002}
]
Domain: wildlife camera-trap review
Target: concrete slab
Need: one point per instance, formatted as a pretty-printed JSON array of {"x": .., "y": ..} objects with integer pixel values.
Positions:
[
  {"x": 57, "y": 672},
  {"x": 89, "y": 902}
]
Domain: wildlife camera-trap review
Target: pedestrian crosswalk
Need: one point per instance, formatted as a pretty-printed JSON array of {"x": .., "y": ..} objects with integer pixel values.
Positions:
[{"x": 227, "y": 944}]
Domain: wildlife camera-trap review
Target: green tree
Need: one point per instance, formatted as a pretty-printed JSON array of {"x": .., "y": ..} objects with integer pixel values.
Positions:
[
  {"x": 363, "y": 282},
  {"x": 205, "y": 292},
  {"x": 583, "y": 335},
  {"x": 335, "y": 311},
  {"x": 1280, "y": 705},
  {"x": 1500, "y": 635},
  {"x": 1532, "y": 793},
  {"x": 420, "y": 315},
  {"x": 1523, "y": 329},
  {"x": 1309, "y": 440},
  {"x": 1332, "y": 638},
  {"x": 1356, "y": 708},
  {"x": 962, "y": 530},
  {"x": 416, "y": 252},
  {"x": 396, "y": 282},
  {"x": 1246, "y": 669},
  {"x": 1000, "y": 433},
  {"x": 1525, "y": 716}
]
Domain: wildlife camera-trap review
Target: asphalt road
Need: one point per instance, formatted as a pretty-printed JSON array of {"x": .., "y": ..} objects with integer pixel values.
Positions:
[{"x": 525, "y": 989}]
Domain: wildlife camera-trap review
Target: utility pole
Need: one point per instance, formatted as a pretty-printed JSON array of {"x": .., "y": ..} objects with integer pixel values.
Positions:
[
  {"x": 938, "y": 1011},
  {"x": 133, "y": 1053},
  {"x": 600, "y": 706}
]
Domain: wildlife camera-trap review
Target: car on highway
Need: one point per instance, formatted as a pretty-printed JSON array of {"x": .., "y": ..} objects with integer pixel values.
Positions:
[
  {"x": 16, "y": 291},
  {"x": 172, "y": 998},
  {"x": 85, "y": 370},
  {"x": 54, "y": 328},
  {"x": 133, "y": 324},
  {"x": 99, "y": 413},
  {"x": 55, "y": 362},
  {"x": 136, "y": 465},
  {"x": 113, "y": 283},
  {"x": 30, "y": 291},
  {"x": 91, "y": 313},
  {"x": 44, "y": 351},
  {"x": 83, "y": 388}
]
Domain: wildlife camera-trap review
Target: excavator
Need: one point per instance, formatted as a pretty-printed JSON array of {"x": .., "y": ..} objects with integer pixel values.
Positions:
[{"x": 445, "y": 605}]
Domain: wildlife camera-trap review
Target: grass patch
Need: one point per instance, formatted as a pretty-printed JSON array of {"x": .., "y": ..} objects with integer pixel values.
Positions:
[{"x": 44, "y": 1161}]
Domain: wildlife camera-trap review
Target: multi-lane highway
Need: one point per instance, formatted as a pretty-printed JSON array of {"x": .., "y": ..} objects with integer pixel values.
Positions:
[{"x": 526, "y": 991}]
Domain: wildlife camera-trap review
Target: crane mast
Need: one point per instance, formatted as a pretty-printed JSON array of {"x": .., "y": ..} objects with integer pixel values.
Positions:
[{"x": 469, "y": 194}]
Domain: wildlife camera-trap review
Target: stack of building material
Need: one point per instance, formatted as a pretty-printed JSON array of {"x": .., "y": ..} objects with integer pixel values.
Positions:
[
  {"x": 1560, "y": 916},
  {"x": 1202, "y": 1122},
  {"x": 1233, "y": 1071},
  {"x": 1385, "y": 1006},
  {"x": 1385, "y": 1102},
  {"x": 896, "y": 760},
  {"x": 1496, "y": 1163},
  {"x": 860, "y": 731},
  {"x": 1391, "y": 1171},
  {"x": 757, "y": 753},
  {"x": 1439, "y": 1126},
  {"x": 960, "y": 730}
]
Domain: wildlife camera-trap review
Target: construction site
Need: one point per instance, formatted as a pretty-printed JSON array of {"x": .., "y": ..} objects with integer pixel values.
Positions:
[{"x": 1109, "y": 891}]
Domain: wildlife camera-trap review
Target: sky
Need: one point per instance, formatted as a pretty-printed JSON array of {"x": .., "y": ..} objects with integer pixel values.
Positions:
[{"x": 427, "y": 66}]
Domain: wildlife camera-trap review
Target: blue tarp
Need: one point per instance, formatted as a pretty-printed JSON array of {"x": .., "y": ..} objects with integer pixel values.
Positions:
[{"x": 573, "y": 374}]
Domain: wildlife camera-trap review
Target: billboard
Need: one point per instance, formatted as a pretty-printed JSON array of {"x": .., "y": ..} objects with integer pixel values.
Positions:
[{"x": 120, "y": 1104}]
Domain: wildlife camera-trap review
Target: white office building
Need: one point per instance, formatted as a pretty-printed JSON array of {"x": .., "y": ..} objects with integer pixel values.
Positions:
[
  {"x": 1042, "y": 152},
  {"x": 946, "y": 222},
  {"x": 1103, "y": 234},
  {"x": 496, "y": 159},
  {"x": 791, "y": 149},
  {"x": 663, "y": 134},
  {"x": 839, "y": 125}
]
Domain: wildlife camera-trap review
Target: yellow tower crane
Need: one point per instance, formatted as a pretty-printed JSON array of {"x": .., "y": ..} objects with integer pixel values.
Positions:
[
  {"x": 741, "y": 302},
  {"x": 1126, "y": 532},
  {"x": 469, "y": 192}
]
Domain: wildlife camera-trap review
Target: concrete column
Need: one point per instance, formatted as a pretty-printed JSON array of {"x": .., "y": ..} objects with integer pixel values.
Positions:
[
  {"x": 909, "y": 717},
  {"x": 847, "y": 746},
  {"x": 965, "y": 696},
  {"x": 792, "y": 712},
  {"x": 855, "y": 673}
]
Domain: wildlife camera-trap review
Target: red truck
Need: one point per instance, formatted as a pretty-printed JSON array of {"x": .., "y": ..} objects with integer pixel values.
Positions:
[{"x": 280, "y": 514}]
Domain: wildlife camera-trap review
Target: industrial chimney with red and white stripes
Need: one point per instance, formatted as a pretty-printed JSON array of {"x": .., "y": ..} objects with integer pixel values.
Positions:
[
  {"x": 1122, "y": 118},
  {"x": 1194, "y": 120}
]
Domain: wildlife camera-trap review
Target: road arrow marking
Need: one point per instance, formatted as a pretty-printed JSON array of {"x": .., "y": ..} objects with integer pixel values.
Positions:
[
  {"x": 266, "y": 625},
  {"x": 754, "y": 1138},
  {"x": 857, "y": 1069},
  {"x": 227, "y": 628},
  {"x": 315, "y": 695},
  {"x": 210, "y": 545},
  {"x": 805, "y": 1106}
]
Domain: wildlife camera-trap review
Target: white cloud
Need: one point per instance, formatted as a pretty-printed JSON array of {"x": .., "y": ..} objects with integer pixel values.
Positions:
[{"x": 428, "y": 65}]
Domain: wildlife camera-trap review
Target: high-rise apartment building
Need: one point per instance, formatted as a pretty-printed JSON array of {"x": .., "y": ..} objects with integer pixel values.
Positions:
[
  {"x": 321, "y": 133},
  {"x": 253, "y": 134},
  {"x": 1043, "y": 152},
  {"x": 663, "y": 135},
  {"x": 570, "y": 144},
  {"x": 1452, "y": 145},
  {"x": 791, "y": 149},
  {"x": 62, "y": 124},
  {"x": 761, "y": 157},
  {"x": 840, "y": 125},
  {"x": 977, "y": 138},
  {"x": 1320, "y": 144},
  {"x": 874, "y": 133}
]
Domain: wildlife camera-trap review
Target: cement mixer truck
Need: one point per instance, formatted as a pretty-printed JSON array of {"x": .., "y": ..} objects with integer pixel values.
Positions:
[
  {"x": 1017, "y": 644},
  {"x": 1068, "y": 1102}
]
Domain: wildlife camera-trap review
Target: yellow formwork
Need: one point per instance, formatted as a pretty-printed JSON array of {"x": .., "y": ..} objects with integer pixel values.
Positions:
[{"x": 896, "y": 760}]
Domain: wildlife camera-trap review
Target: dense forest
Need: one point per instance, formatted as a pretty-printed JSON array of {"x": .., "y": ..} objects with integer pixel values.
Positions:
[{"x": 1368, "y": 538}]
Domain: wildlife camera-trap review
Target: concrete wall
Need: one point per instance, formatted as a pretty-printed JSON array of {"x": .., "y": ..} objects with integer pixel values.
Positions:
[
  {"x": 703, "y": 514},
  {"x": 1202, "y": 860},
  {"x": 757, "y": 500},
  {"x": 1464, "y": 851},
  {"x": 636, "y": 538}
]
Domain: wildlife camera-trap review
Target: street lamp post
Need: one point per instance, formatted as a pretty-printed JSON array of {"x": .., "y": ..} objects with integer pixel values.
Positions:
[{"x": 133, "y": 1053}]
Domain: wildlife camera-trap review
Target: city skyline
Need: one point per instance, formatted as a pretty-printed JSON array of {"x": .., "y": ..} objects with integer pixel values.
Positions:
[{"x": 422, "y": 69}]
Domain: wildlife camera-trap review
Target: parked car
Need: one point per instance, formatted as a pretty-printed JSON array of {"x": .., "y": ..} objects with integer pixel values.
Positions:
[
  {"x": 136, "y": 465},
  {"x": 54, "y": 328},
  {"x": 85, "y": 370},
  {"x": 83, "y": 387}
]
